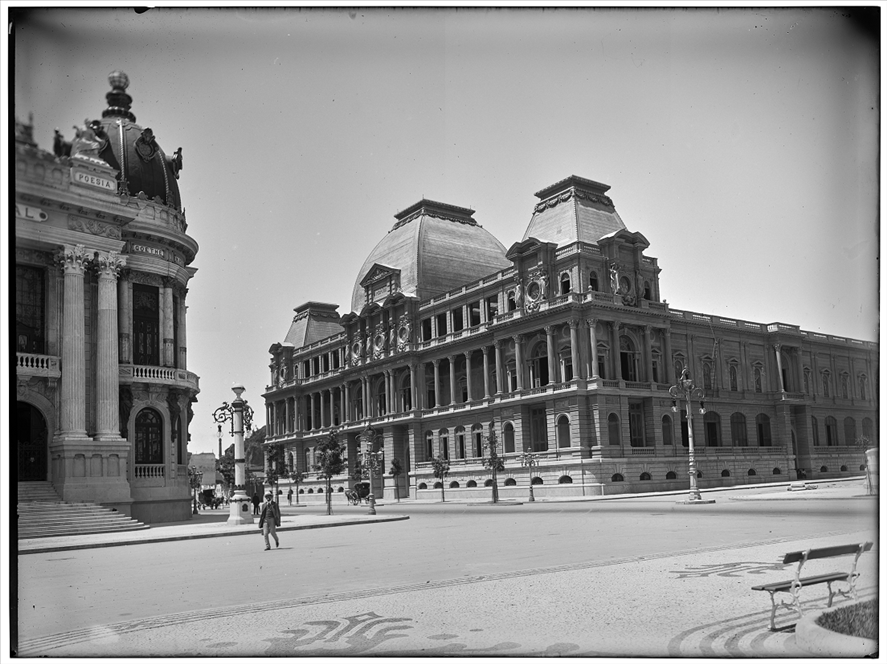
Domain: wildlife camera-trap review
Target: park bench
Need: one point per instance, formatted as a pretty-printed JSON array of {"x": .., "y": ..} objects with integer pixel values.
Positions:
[{"x": 794, "y": 585}]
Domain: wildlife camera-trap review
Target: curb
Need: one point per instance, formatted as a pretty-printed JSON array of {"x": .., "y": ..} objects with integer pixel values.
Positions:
[{"x": 825, "y": 643}]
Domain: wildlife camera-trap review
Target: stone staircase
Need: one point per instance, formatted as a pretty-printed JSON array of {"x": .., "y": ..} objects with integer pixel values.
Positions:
[{"x": 42, "y": 513}]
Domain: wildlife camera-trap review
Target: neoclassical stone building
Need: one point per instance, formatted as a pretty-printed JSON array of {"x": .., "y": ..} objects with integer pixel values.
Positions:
[
  {"x": 564, "y": 346},
  {"x": 102, "y": 264}
]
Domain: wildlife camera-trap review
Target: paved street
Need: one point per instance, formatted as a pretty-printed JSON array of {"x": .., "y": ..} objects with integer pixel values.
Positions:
[{"x": 636, "y": 576}]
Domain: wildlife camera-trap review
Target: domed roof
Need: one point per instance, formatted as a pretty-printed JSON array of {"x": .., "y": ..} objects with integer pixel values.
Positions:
[
  {"x": 131, "y": 149},
  {"x": 574, "y": 209},
  {"x": 436, "y": 248}
]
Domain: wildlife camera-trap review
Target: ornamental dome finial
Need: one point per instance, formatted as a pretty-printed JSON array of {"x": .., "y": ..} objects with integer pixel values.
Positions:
[
  {"x": 118, "y": 101},
  {"x": 118, "y": 80}
]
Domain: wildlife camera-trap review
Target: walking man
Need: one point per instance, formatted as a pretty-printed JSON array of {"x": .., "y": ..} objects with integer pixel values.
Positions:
[
  {"x": 269, "y": 519},
  {"x": 289, "y": 497}
]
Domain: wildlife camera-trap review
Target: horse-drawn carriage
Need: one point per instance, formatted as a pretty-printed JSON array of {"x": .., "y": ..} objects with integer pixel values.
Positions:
[{"x": 360, "y": 492}]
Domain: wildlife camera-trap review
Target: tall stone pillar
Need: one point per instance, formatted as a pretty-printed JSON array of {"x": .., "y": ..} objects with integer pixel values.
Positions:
[
  {"x": 107, "y": 372},
  {"x": 436, "y": 383},
  {"x": 346, "y": 404},
  {"x": 452, "y": 360},
  {"x": 552, "y": 359},
  {"x": 781, "y": 383},
  {"x": 648, "y": 352},
  {"x": 168, "y": 359},
  {"x": 72, "y": 405},
  {"x": 669, "y": 360},
  {"x": 414, "y": 401},
  {"x": 322, "y": 410},
  {"x": 614, "y": 350},
  {"x": 499, "y": 373},
  {"x": 578, "y": 369},
  {"x": 592, "y": 340},
  {"x": 182, "y": 350},
  {"x": 519, "y": 360},
  {"x": 311, "y": 411},
  {"x": 486, "y": 352},
  {"x": 468, "y": 373},
  {"x": 124, "y": 317}
]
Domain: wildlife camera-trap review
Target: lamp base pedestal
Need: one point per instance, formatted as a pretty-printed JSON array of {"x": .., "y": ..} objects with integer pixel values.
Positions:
[
  {"x": 696, "y": 501},
  {"x": 241, "y": 510}
]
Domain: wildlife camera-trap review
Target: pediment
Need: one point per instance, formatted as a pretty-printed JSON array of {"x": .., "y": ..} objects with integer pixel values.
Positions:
[{"x": 378, "y": 272}]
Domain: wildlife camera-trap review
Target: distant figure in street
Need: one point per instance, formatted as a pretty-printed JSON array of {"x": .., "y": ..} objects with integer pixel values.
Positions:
[
  {"x": 269, "y": 520},
  {"x": 289, "y": 497},
  {"x": 256, "y": 503}
]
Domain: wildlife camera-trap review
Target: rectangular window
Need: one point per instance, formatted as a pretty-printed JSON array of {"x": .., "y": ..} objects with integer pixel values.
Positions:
[
  {"x": 492, "y": 304},
  {"x": 30, "y": 299},
  {"x": 146, "y": 325},
  {"x": 460, "y": 444},
  {"x": 458, "y": 321},
  {"x": 636, "y": 424},
  {"x": 474, "y": 313},
  {"x": 426, "y": 329},
  {"x": 441, "y": 325}
]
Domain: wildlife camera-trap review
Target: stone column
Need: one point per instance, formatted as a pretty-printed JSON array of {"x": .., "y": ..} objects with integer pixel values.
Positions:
[
  {"x": 436, "y": 363},
  {"x": 182, "y": 350},
  {"x": 389, "y": 392},
  {"x": 346, "y": 408},
  {"x": 452, "y": 360},
  {"x": 552, "y": 359},
  {"x": 414, "y": 397},
  {"x": 311, "y": 411},
  {"x": 486, "y": 352},
  {"x": 168, "y": 359},
  {"x": 614, "y": 350},
  {"x": 468, "y": 373},
  {"x": 648, "y": 350},
  {"x": 322, "y": 410},
  {"x": 72, "y": 404},
  {"x": 107, "y": 413},
  {"x": 497, "y": 344},
  {"x": 289, "y": 414},
  {"x": 776, "y": 348},
  {"x": 578, "y": 369},
  {"x": 669, "y": 360},
  {"x": 519, "y": 361},
  {"x": 592, "y": 340},
  {"x": 124, "y": 317}
]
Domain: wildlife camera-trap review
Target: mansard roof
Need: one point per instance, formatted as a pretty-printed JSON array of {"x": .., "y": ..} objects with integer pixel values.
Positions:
[{"x": 313, "y": 321}]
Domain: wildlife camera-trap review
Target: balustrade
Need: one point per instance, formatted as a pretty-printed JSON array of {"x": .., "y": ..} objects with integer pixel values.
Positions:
[
  {"x": 31, "y": 364},
  {"x": 149, "y": 471}
]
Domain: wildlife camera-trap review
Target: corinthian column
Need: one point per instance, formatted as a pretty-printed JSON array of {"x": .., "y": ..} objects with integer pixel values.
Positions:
[
  {"x": 168, "y": 359},
  {"x": 124, "y": 317},
  {"x": 73, "y": 260},
  {"x": 107, "y": 414}
]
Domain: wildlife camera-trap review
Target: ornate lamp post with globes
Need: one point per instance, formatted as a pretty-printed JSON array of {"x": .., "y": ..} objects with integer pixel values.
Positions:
[
  {"x": 240, "y": 415},
  {"x": 686, "y": 390},
  {"x": 529, "y": 460}
]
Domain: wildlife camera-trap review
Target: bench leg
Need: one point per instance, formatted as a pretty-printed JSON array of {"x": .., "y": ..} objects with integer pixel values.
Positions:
[
  {"x": 831, "y": 594},
  {"x": 772, "y": 612}
]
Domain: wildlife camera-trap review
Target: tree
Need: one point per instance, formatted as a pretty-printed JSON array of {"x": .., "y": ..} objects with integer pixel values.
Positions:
[
  {"x": 296, "y": 477},
  {"x": 396, "y": 471},
  {"x": 441, "y": 468},
  {"x": 493, "y": 462},
  {"x": 329, "y": 464},
  {"x": 275, "y": 466}
]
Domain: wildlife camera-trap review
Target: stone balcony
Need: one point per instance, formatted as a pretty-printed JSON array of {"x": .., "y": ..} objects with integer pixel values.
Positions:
[
  {"x": 40, "y": 366},
  {"x": 135, "y": 373}
]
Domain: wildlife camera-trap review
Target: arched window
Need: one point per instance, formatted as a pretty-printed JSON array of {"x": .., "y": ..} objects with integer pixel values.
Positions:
[
  {"x": 843, "y": 469},
  {"x": 645, "y": 477},
  {"x": 593, "y": 282},
  {"x": 763, "y": 425},
  {"x": 471, "y": 484},
  {"x": 656, "y": 362},
  {"x": 759, "y": 378},
  {"x": 512, "y": 302},
  {"x": 510, "y": 481},
  {"x": 508, "y": 435},
  {"x": 814, "y": 428},
  {"x": 823, "y": 469},
  {"x": 565, "y": 479},
  {"x": 488, "y": 483},
  {"x": 536, "y": 480},
  {"x": 776, "y": 471},
  {"x": 628, "y": 358},
  {"x": 454, "y": 485},
  {"x": 831, "y": 431},
  {"x": 603, "y": 355},
  {"x": 707, "y": 373},
  {"x": 868, "y": 432},
  {"x": 825, "y": 382},
  {"x": 565, "y": 283},
  {"x": 806, "y": 381},
  {"x": 863, "y": 380},
  {"x": 712, "y": 422},
  {"x": 563, "y": 431},
  {"x": 845, "y": 386},
  {"x": 725, "y": 473},
  {"x": 734, "y": 378},
  {"x": 667, "y": 433},
  {"x": 406, "y": 393},
  {"x": 671, "y": 475},
  {"x": 738, "y": 431},
  {"x": 617, "y": 478},
  {"x": 444, "y": 436},
  {"x": 538, "y": 365},
  {"x": 148, "y": 437},
  {"x": 678, "y": 364},
  {"x": 849, "y": 431},
  {"x": 613, "y": 429},
  {"x": 438, "y": 485},
  {"x": 648, "y": 292},
  {"x": 751, "y": 472}
]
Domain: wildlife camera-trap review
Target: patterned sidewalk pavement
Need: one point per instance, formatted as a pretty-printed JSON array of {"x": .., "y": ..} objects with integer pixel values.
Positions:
[{"x": 690, "y": 604}]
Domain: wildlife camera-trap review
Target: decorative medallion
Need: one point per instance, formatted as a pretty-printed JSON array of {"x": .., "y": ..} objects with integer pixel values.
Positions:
[{"x": 145, "y": 145}]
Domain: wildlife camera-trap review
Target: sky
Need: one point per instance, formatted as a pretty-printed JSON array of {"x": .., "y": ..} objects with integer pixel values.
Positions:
[{"x": 741, "y": 142}]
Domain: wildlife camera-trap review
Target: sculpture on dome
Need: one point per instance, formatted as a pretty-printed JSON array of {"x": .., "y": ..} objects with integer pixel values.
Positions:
[
  {"x": 88, "y": 141},
  {"x": 175, "y": 162},
  {"x": 60, "y": 147},
  {"x": 146, "y": 146}
]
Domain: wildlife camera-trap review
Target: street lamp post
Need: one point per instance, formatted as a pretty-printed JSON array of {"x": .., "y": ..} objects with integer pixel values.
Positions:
[
  {"x": 529, "y": 460},
  {"x": 686, "y": 390},
  {"x": 240, "y": 415},
  {"x": 372, "y": 461},
  {"x": 195, "y": 477}
]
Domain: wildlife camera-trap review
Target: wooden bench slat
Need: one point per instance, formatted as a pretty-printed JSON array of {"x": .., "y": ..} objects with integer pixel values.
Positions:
[
  {"x": 780, "y": 586},
  {"x": 826, "y": 552}
]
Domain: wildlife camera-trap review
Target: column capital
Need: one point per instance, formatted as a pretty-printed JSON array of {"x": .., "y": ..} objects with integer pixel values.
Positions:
[
  {"x": 109, "y": 264},
  {"x": 485, "y": 349},
  {"x": 73, "y": 259},
  {"x": 549, "y": 330},
  {"x": 467, "y": 354},
  {"x": 776, "y": 347},
  {"x": 574, "y": 323}
]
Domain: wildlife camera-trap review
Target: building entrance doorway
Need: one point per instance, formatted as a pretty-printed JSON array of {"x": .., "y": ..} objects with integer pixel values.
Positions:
[{"x": 30, "y": 428}]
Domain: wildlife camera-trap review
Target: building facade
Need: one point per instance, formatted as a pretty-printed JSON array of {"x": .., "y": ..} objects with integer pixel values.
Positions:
[
  {"x": 102, "y": 265},
  {"x": 562, "y": 345}
]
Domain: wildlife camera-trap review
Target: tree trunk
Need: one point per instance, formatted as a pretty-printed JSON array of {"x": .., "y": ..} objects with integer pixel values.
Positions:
[
  {"x": 495, "y": 488},
  {"x": 329, "y": 502}
]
